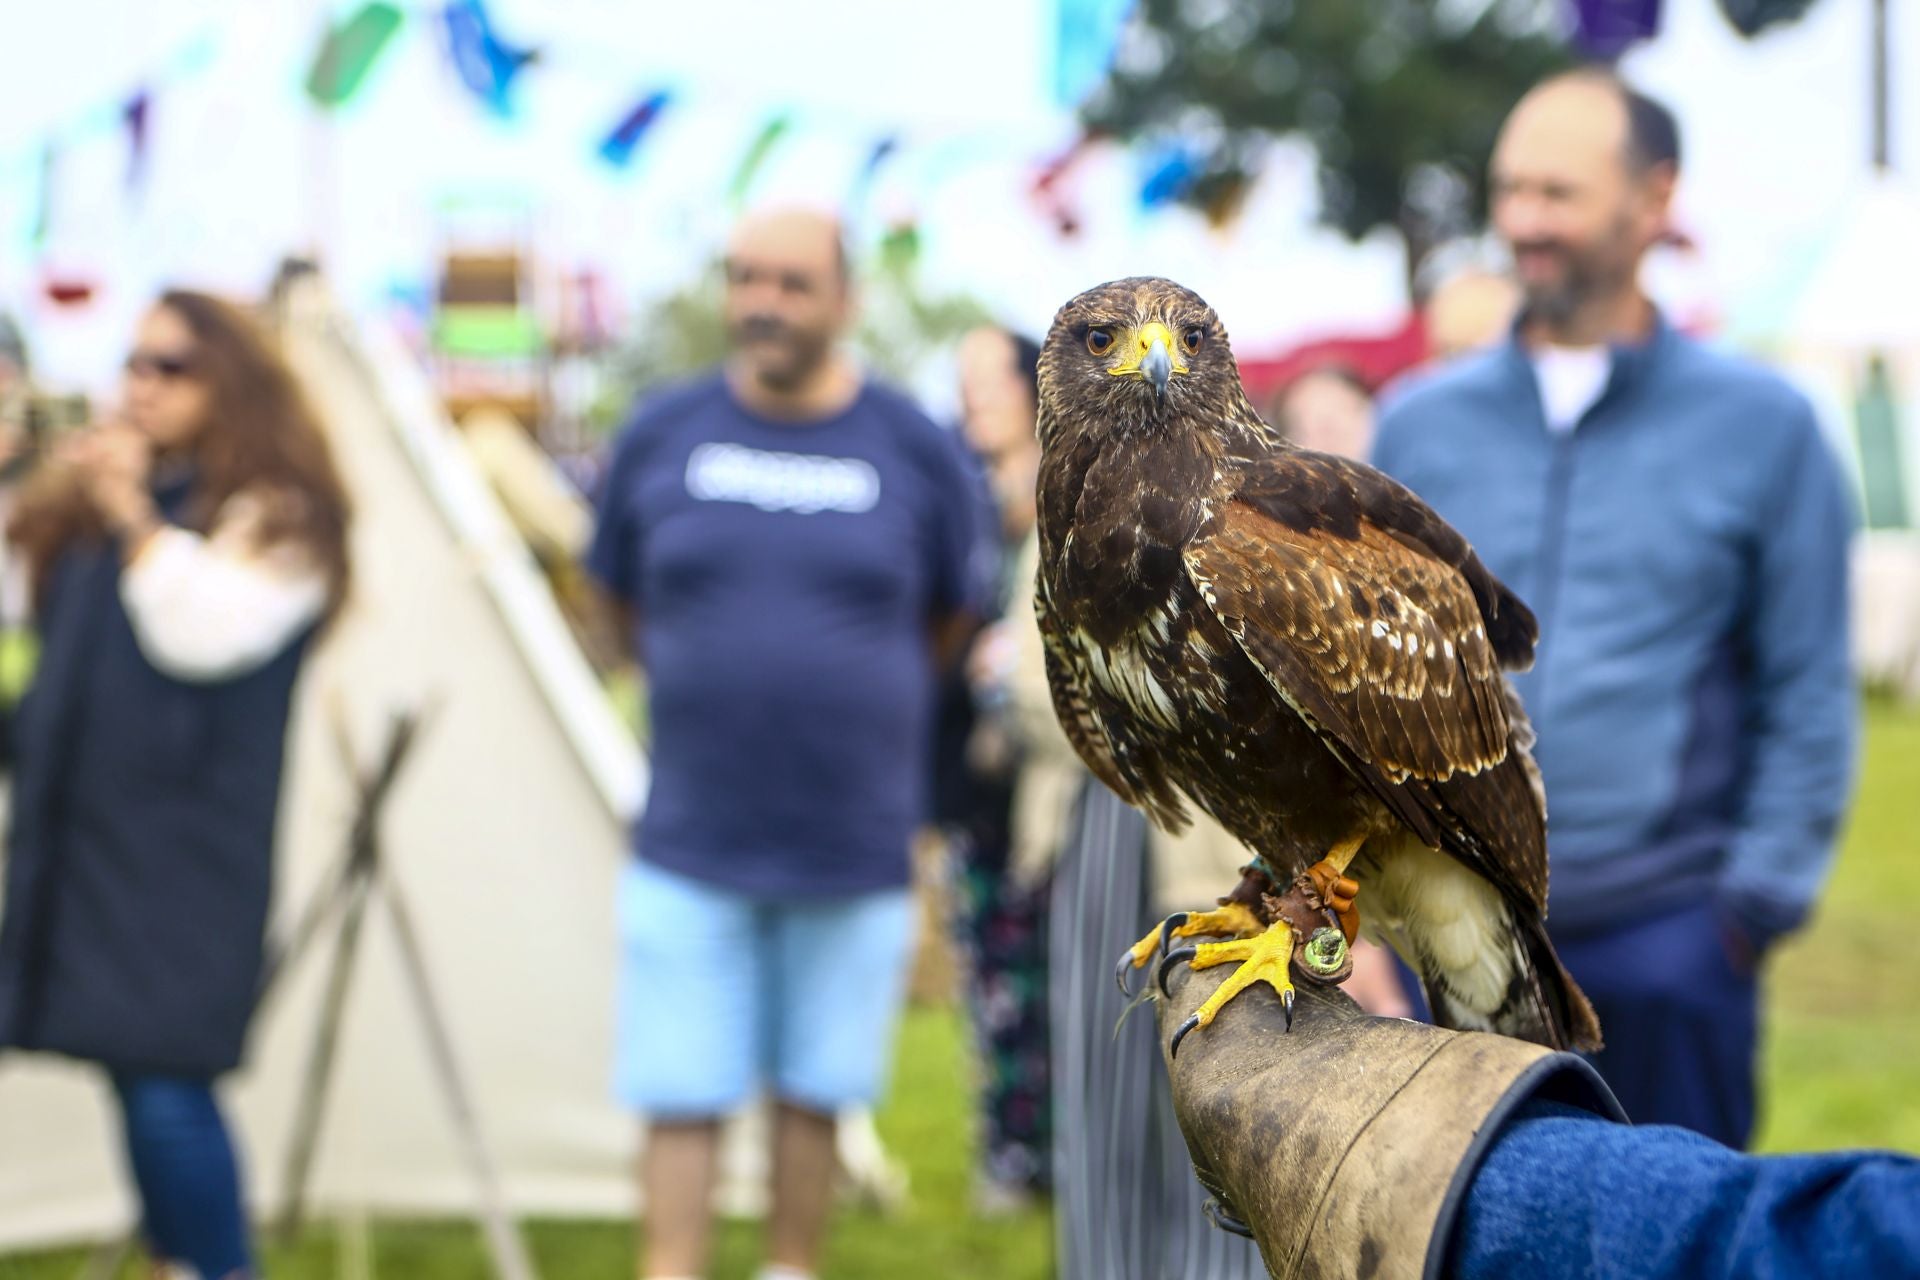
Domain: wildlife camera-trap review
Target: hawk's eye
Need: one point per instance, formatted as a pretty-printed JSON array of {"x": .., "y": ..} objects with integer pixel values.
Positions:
[
  {"x": 1099, "y": 341},
  {"x": 1192, "y": 339}
]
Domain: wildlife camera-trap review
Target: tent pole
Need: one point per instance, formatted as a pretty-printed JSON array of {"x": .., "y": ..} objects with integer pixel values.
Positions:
[{"x": 1882, "y": 142}]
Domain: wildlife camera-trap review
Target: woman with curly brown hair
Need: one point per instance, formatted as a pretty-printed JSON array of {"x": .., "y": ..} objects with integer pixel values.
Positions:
[{"x": 180, "y": 561}]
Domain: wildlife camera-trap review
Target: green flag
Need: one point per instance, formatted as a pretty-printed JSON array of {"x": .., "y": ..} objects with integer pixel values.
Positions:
[
  {"x": 349, "y": 53},
  {"x": 763, "y": 145}
]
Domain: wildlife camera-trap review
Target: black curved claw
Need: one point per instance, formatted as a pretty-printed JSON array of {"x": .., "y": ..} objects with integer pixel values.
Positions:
[
  {"x": 1168, "y": 961},
  {"x": 1286, "y": 1000},
  {"x": 1220, "y": 1216},
  {"x": 1193, "y": 1020},
  {"x": 1120, "y": 972},
  {"x": 1167, "y": 927}
]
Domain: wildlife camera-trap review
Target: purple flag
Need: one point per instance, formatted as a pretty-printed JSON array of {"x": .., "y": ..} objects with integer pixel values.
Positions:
[
  {"x": 1604, "y": 29},
  {"x": 619, "y": 146}
]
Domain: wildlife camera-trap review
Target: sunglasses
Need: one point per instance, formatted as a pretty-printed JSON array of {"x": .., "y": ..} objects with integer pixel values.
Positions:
[{"x": 168, "y": 366}]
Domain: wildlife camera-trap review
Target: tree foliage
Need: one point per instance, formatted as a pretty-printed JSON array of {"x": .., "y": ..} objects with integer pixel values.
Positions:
[{"x": 1400, "y": 99}]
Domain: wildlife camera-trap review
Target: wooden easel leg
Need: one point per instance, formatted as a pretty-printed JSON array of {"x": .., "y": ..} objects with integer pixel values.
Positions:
[
  {"x": 320, "y": 1060},
  {"x": 510, "y": 1258}
]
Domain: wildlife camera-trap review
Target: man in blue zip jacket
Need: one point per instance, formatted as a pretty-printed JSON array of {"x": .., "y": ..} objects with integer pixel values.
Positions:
[{"x": 1675, "y": 519}]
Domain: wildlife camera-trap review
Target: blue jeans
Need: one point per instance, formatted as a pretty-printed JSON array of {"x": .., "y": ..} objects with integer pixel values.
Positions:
[
  {"x": 1682, "y": 1025},
  {"x": 184, "y": 1167}
]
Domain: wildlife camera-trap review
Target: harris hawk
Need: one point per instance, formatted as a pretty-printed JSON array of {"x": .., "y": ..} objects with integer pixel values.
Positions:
[{"x": 1301, "y": 647}]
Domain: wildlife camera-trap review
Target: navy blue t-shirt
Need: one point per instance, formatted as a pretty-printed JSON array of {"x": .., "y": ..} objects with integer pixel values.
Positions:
[{"x": 785, "y": 576}]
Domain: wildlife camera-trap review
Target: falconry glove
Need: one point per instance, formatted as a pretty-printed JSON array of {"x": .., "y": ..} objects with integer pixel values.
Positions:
[{"x": 1347, "y": 1145}]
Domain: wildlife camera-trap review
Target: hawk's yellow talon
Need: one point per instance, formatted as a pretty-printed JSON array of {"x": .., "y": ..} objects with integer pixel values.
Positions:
[
  {"x": 1234, "y": 920},
  {"x": 1263, "y": 959}
]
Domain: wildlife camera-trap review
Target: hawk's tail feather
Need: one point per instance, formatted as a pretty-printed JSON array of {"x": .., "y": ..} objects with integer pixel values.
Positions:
[
  {"x": 1565, "y": 1005},
  {"x": 1539, "y": 1001}
]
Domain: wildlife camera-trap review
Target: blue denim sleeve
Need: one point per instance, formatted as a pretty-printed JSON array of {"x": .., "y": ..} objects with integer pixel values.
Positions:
[{"x": 1563, "y": 1194}]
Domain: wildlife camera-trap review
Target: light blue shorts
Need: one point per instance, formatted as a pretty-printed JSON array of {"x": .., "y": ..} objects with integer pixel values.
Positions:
[{"x": 720, "y": 992}]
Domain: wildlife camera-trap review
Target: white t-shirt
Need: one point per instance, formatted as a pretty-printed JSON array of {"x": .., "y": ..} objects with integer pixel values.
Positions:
[{"x": 1571, "y": 379}]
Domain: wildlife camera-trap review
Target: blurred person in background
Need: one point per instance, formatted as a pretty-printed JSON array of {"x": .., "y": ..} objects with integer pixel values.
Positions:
[
  {"x": 1000, "y": 921},
  {"x": 13, "y": 379},
  {"x": 1327, "y": 408},
  {"x": 180, "y": 560},
  {"x": 1468, "y": 310},
  {"x": 794, "y": 545},
  {"x": 1678, "y": 524}
]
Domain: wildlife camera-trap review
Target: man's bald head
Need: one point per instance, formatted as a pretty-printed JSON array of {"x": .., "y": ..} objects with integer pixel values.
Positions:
[
  {"x": 789, "y": 293},
  {"x": 797, "y": 232},
  {"x": 1648, "y": 135},
  {"x": 1582, "y": 179}
]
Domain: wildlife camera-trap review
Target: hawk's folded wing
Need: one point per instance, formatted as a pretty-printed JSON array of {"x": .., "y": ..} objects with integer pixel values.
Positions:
[{"x": 1383, "y": 647}]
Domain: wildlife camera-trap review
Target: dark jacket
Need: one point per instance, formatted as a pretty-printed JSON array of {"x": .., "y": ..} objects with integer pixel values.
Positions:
[{"x": 139, "y": 854}]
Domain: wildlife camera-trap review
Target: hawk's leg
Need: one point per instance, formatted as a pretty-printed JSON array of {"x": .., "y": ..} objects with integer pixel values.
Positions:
[
  {"x": 1329, "y": 878},
  {"x": 1233, "y": 918},
  {"x": 1264, "y": 958}
]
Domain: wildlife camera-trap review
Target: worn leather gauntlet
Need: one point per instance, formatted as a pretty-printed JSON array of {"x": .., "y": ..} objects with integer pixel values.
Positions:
[{"x": 1346, "y": 1146}]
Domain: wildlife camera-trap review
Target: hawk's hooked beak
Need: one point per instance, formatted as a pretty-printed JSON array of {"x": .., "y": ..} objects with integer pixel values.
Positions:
[
  {"x": 1158, "y": 367},
  {"x": 1149, "y": 357}
]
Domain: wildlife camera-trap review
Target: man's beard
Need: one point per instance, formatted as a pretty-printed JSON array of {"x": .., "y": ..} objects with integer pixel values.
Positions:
[
  {"x": 1561, "y": 300},
  {"x": 804, "y": 352},
  {"x": 1586, "y": 277}
]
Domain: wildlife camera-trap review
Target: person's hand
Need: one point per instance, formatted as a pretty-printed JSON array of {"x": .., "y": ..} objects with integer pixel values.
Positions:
[
  {"x": 114, "y": 461},
  {"x": 1375, "y": 985},
  {"x": 990, "y": 660}
]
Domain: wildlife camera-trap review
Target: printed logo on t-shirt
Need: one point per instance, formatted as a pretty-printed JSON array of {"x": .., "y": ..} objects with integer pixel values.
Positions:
[{"x": 800, "y": 482}]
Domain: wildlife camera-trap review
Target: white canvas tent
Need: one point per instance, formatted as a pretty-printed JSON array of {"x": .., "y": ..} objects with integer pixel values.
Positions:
[
  {"x": 505, "y": 832},
  {"x": 1851, "y": 300}
]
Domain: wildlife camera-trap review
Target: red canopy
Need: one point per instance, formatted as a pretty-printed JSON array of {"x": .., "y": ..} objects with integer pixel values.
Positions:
[{"x": 1375, "y": 359}]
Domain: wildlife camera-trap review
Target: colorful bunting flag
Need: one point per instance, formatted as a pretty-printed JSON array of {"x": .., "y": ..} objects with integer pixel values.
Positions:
[
  {"x": 1171, "y": 170},
  {"x": 1050, "y": 185},
  {"x": 485, "y": 63},
  {"x": 863, "y": 183},
  {"x": 43, "y": 210},
  {"x": 138, "y": 115},
  {"x": 349, "y": 51},
  {"x": 1605, "y": 29},
  {"x": 1085, "y": 35},
  {"x": 1751, "y": 17},
  {"x": 1224, "y": 199},
  {"x": 618, "y": 148},
  {"x": 900, "y": 248},
  {"x": 763, "y": 144}
]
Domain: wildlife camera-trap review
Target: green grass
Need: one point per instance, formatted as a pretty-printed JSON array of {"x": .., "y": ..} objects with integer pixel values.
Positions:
[
  {"x": 925, "y": 1124},
  {"x": 1842, "y": 1039},
  {"x": 1842, "y": 1065}
]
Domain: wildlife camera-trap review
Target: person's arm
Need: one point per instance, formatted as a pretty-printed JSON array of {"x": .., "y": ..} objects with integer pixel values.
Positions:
[
  {"x": 1803, "y": 707},
  {"x": 613, "y": 556},
  {"x": 1564, "y": 1193},
  {"x": 960, "y": 559},
  {"x": 1347, "y": 1145},
  {"x": 213, "y": 608}
]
